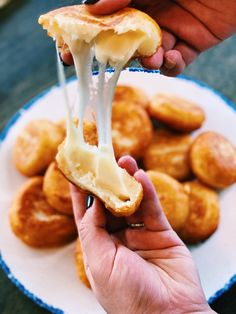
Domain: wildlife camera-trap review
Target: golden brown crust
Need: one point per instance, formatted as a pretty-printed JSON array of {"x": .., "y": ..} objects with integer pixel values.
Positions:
[
  {"x": 213, "y": 160},
  {"x": 77, "y": 20},
  {"x": 204, "y": 213},
  {"x": 131, "y": 129},
  {"x": 173, "y": 198},
  {"x": 176, "y": 112},
  {"x": 57, "y": 190},
  {"x": 79, "y": 262},
  {"x": 36, "y": 147},
  {"x": 35, "y": 222},
  {"x": 169, "y": 153},
  {"x": 131, "y": 95}
]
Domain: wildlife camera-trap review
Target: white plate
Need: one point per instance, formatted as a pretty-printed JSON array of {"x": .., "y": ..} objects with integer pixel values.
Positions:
[{"x": 49, "y": 276}]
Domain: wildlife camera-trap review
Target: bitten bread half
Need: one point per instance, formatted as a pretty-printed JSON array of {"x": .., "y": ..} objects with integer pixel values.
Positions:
[
  {"x": 75, "y": 22},
  {"x": 86, "y": 181}
]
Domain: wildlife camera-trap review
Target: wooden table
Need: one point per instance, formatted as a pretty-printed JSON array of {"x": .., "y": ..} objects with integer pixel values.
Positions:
[{"x": 27, "y": 67}]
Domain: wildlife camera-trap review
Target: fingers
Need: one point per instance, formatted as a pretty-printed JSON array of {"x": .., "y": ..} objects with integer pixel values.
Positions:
[
  {"x": 129, "y": 164},
  {"x": 172, "y": 58},
  {"x": 79, "y": 200},
  {"x": 107, "y": 6},
  {"x": 188, "y": 53},
  {"x": 66, "y": 58},
  {"x": 131, "y": 167},
  {"x": 173, "y": 64},
  {"x": 141, "y": 239},
  {"x": 168, "y": 40},
  {"x": 176, "y": 60},
  {"x": 152, "y": 214},
  {"x": 170, "y": 63},
  {"x": 150, "y": 211},
  {"x": 97, "y": 245},
  {"x": 155, "y": 61}
]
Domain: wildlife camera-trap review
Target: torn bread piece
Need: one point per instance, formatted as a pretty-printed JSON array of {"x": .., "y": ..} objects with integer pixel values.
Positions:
[
  {"x": 113, "y": 39},
  {"x": 122, "y": 35}
]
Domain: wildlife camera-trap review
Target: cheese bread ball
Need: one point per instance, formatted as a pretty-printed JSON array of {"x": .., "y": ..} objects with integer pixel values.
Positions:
[
  {"x": 79, "y": 262},
  {"x": 176, "y": 112},
  {"x": 36, "y": 147},
  {"x": 213, "y": 160},
  {"x": 169, "y": 153},
  {"x": 90, "y": 130},
  {"x": 57, "y": 190},
  {"x": 173, "y": 198},
  {"x": 131, "y": 129},
  {"x": 204, "y": 213},
  {"x": 35, "y": 222},
  {"x": 131, "y": 95}
]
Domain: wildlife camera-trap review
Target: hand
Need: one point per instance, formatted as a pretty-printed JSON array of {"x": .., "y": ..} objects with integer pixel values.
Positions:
[
  {"x": 189, "y": 28},
  {"x": 137, "y": 270}
]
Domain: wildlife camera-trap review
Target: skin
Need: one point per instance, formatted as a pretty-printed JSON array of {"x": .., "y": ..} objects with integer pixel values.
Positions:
[
  {"x": 141, "y": 270},
  {"x": 189, "y": 28}
]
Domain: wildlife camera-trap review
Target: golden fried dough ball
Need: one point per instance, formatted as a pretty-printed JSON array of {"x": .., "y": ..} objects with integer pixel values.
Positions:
[
  {"x": 173, "y": 198},
  {"x": 176, "y": 112},
  {"x": 36, "y": 147},
  {"x": 62, "y": 125},
  {"x": 131, "y": 129},
  {"x": 90, "y": 130},
  {"x": 35, "y": 222},
  {"x": 204, "y": 213},
  {"x": 80, "y": 265},
  {"x": 169, "y": 153},
  {"x": 131, "y": 94},
  {"x": 213, "y": 160},
  {"x": 90, "y": 133},
  {"x": 57, "y": 190}
]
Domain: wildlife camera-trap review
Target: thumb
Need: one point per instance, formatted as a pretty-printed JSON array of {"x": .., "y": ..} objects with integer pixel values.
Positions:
[
  {"x": 106, "y": 6},
  {"x": 97, "y": 244}
]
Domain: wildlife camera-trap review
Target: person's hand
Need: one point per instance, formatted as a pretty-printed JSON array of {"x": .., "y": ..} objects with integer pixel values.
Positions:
[
  {"x": 189, "y": 28},
  {"x": 137, "y": 270}
]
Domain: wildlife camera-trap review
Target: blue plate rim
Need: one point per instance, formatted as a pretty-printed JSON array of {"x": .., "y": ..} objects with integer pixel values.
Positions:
[{"x": 26, "y": 107}]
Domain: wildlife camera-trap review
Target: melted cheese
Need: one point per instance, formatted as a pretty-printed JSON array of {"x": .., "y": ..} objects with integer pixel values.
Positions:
[
  {"x": 98, "y": 161},
  {"x": 116, "y": 49}
]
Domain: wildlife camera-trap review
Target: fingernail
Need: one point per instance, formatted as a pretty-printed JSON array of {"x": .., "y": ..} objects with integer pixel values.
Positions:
[
  {"x": 89, "y": 201},
  {"x": 88, "y": 2},
  {"x": 169, "y": 64},
  {"x": 62, "y": 61}
]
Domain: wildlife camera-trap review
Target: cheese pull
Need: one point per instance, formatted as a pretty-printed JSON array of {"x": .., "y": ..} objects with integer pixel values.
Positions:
[
  {"x": 93, "y": 171},
  {"x": 113, "y": 40},
  {"x": 99, "y": 162}
]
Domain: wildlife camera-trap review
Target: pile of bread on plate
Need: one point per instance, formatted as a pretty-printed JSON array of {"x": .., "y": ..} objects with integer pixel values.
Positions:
[{"x": 187, "y": 170}]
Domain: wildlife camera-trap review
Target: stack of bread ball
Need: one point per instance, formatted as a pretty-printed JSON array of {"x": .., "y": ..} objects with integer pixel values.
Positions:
[{"x": 186, "y": 170}]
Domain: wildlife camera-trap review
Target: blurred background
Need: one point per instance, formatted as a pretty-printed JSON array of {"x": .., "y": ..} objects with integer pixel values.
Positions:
[{"x": 28, "y": 66}]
